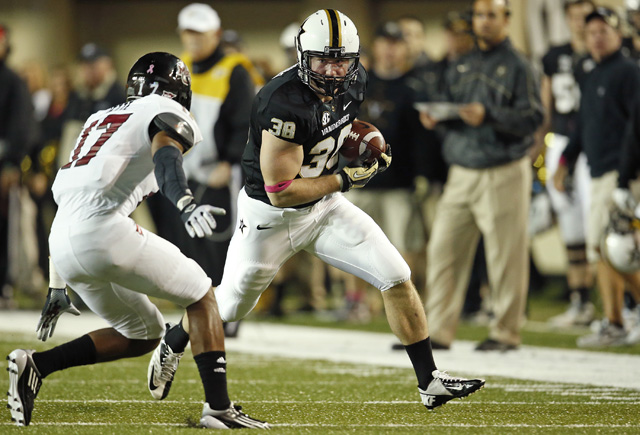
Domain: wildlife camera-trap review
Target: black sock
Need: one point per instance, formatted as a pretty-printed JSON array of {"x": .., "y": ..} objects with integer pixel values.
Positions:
[
  {"x": 584, "y": 294},
  {"x": 177, "y": 338},
  {"x": 213, "y": 371},
  {"x": 79, "y": 352},
  {"x": 422, "y": 359}
]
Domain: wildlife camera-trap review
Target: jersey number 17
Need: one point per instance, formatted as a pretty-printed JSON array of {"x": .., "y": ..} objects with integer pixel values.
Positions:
[{"x": 111, "y": 123}]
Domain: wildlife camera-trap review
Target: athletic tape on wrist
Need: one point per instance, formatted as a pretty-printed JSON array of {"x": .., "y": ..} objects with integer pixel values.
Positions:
[
  {"x": 278, "y": 187},
  {"x": 54, "y": 279}
]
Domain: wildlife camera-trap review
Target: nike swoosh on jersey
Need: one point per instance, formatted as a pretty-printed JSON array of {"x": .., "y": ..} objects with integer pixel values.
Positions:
[
  {"x": 346, "y": 105},
  {"x": 263, "y": 227}
]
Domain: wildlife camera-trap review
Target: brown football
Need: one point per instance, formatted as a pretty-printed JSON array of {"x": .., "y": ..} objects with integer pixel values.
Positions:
[{"x": 363, "y": 136}]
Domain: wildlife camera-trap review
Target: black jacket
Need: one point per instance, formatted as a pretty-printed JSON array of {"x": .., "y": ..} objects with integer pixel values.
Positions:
[
  {"x": 502, "y": 80},
  {"x": 17, "y": 125},
  {"x": 630, "y": 158},
  {"x": 608, "y": 94}
]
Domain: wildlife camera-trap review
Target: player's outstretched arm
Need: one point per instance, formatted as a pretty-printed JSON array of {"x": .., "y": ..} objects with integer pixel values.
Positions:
[
  {"x": 167, "y": 156},
  {"x": 280, "y": 162}
]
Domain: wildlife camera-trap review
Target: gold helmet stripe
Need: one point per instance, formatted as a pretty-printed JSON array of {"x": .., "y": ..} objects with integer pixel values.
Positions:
[{"x": 335, "y": 31}]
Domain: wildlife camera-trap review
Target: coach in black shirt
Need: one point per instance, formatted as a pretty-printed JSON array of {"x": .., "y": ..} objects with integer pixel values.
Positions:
[
  {"x": 489, "y": 185},
  {"x": 608, "y": 95}
]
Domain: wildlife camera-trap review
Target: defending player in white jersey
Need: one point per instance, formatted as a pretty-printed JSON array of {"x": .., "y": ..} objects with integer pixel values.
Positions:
[
  {"x": 123, "y": 155},
  {"x": 292, "y": 198}
]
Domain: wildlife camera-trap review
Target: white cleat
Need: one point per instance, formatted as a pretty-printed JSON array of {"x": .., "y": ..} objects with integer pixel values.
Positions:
[
  {"x": 444, "y": 388},
  {"x": 162, "y": 368},
  {"x": 230, "y": 418}
]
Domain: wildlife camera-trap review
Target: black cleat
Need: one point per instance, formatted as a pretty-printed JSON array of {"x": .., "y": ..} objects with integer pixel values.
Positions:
[
  {"x": 24, "y": 383},
  {"x": 491, "y": 345}
]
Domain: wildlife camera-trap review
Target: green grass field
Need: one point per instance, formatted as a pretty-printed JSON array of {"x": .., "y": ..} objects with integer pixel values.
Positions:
[
  {"x": 320, "y": 397},
  {"x": 315, "y": 397}
]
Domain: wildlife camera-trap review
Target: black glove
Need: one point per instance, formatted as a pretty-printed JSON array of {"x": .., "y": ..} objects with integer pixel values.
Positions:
[
  {"x": 58, "y": 302},
  {"x": 198, "y": 219},
  {"x": 357, "y": 174}
]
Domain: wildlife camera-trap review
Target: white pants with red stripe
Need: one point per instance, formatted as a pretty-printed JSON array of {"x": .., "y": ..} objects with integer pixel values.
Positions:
[{"x": 113, "y": 265}]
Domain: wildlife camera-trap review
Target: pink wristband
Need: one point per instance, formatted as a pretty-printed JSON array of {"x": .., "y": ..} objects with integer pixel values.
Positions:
[
  {"x": 279, "y": 187},
  {"x": 563, "y": 160}
]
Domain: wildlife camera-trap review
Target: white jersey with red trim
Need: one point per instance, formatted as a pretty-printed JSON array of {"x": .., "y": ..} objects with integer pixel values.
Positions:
[{"x": 110, "y": 169}]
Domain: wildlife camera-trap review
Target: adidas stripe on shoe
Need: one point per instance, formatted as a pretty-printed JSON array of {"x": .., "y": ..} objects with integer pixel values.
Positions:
[{"x": 24, "y": 384}]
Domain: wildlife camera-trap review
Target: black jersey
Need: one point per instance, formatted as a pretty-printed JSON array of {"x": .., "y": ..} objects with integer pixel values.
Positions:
[
  {"x": 559, "y": 64},
  {"x": 290, "y": 110}
]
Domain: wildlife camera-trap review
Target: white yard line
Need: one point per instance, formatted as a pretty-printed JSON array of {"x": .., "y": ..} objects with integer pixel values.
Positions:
[
  {"x": 602, "y": 402},
  {"x": 527, "y": 363},
  {"x": 342, "y": 426}
]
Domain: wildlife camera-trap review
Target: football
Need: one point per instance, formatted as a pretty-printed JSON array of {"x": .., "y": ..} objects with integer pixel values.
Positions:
[{"x": 363, "y": 136}]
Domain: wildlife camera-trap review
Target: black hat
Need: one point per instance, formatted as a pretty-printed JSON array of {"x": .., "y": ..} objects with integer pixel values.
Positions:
[
  {"x": 605, "y": 14},
  {"x": 568, "y": 3},
  {"x": 91, "y": 52},
  {"x": 458, "y": 22},
  {"x": 390, "y": 30}
]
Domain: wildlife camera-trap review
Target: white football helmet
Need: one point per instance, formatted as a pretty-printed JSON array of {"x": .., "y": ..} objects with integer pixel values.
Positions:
[
  {"x": 328, "y": 33},
  {"x": 620, "y": 245}
]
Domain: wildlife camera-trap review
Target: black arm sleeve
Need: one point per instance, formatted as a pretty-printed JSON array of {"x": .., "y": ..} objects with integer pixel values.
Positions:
[
  {"x": 170, "y": 176},
  {"x": 232, "y": 129}
]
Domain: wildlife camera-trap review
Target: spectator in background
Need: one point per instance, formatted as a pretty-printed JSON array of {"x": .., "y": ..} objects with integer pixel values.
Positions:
[
  {"x": 618, "y": 248},
  {"x": 561, "y": 98},
  {"x": 608, "y": 95},
  {"x": 43, "y": 157},
  {"x": 488, "y": 189},
  {"x": 432, "y": 169},
  {"x": 231, "y": 42},
  {"x": 388, "y": 198},
  {"x": 17, "y": 128},
  {"x": 35, "y": 76},
  {"x": 97, "y": 89},
  {"x": 413, "y": 32},
  {"x": 223, "y": 87},
  {"x": 631, "y": 44},
  {"x": 458, "y": 42}
]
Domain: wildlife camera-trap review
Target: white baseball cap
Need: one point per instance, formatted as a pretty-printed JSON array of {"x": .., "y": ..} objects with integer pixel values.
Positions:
[{"x": 198, "y": 17}]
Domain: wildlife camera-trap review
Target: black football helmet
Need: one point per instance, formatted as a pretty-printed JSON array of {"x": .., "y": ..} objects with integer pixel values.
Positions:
[{"x": 162, "y": 74}]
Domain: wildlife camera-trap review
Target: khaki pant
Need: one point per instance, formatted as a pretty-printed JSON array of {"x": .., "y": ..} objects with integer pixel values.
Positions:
[
  {"x": 391, "y": 209},
  {"x": 494, "y": 202},
  {"x": 601, "y": 204}
]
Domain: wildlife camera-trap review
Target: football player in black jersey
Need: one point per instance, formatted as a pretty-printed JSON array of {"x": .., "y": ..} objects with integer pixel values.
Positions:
[
  {"x": 563, "y": 66},
  {"x": 292, "y": 200}
]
